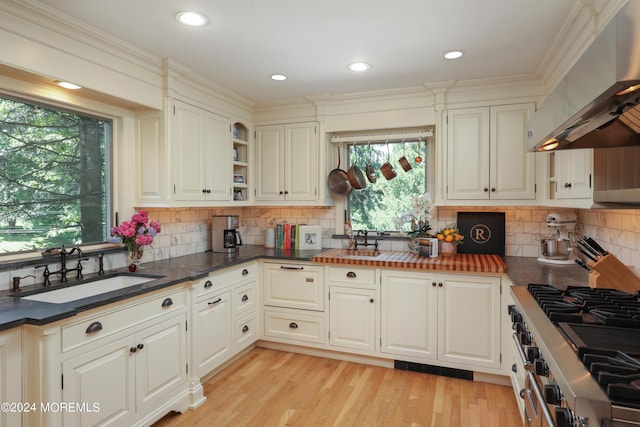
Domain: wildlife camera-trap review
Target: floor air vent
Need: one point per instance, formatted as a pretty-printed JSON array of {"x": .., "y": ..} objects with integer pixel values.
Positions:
[{"x": 435, "y": 370}]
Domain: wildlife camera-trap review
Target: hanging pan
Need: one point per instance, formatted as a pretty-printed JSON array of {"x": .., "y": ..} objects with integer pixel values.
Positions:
[
  {"x": 356, "y": 177},
  {"x": 369, "y": 170},
  {"x": 338, "y": 180}
]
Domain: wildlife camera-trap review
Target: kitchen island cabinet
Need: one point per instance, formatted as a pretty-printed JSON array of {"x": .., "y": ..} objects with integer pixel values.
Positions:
[{"x": 287, "y": 162}]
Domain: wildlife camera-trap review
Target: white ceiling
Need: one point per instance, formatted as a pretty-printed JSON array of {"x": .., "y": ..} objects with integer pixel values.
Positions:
[{"x": 313, "y": 41}]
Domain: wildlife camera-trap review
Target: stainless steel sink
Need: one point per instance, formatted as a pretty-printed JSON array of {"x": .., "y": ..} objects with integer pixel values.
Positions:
[{"x": 89, "y": 289}]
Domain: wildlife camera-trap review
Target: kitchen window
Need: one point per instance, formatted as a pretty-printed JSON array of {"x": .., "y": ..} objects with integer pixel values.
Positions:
[
  {"x": 380, "y": 205},
  {"x": 54, "y": 180}
]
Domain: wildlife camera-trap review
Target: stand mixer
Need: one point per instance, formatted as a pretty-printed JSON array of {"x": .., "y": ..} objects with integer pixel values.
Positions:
[{"x": 556, "y": 248}]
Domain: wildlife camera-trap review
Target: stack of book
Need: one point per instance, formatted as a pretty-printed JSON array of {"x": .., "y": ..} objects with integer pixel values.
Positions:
[{"x": 287, "y": 236}]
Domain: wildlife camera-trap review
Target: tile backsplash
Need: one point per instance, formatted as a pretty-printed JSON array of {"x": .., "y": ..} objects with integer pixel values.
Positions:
[{"x": 187, "y": 231}]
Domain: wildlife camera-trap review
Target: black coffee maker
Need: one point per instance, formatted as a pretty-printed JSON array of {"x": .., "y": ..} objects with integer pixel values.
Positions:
[{"x": 225, "y": 236}]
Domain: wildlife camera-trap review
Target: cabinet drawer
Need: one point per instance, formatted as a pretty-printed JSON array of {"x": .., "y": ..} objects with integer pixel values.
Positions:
[
  {"x": 294, "y": 286},
  {"x": 365, "y": 276},
  {"x": 117, "y": 319},
  {"x": 245, "y": 299},
  {"x": 245, "y": 332},
  {"x": 294, "y": 326},
  {"x": 226, "y": 277}
]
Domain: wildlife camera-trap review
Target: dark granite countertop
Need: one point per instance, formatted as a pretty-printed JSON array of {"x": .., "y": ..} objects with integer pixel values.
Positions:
[
  {"x": 524, "y": 270},
  {"x": 15, "y": 311}
]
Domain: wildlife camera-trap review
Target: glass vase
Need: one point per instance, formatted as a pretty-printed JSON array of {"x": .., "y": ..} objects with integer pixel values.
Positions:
[{"x": 135, "y": 255}]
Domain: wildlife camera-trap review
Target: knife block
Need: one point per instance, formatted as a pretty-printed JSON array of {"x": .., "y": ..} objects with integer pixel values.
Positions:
[{"x": 610, "y": 272}]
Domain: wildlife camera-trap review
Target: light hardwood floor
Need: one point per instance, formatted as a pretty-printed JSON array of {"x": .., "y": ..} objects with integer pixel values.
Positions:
[{"x": 275, "y": 388}]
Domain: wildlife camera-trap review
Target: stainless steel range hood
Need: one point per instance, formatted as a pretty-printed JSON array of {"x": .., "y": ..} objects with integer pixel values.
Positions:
[{"x": 597, "y": 104}]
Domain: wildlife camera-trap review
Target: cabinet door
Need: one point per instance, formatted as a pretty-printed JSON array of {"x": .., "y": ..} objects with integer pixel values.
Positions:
[
  {"x": 189, "y": 156},
  {"x": 573, "y": 173},
  {"x": 469, "y": 320},
  {"x": 212, "y": 332},
  {"x": 270, "y": 162},
  {"x": 151, "y": 159},
  {"x": 105, "y": 376},
  {"x": 352, "y": 318},
  {"x": 217, "y": 141},
  {"x": 11, "y": 375},
  {"x": 512, "y": 167},
  {"x": 161, "y": 361},
  {"x": 300, "y": 151},
  {"x": 468, "y": 154},
  {"x": 409, "y": 307}
]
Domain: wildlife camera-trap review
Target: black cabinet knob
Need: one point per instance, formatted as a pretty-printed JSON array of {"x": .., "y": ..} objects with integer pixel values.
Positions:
[
  {"x": 485, "y": 189},
  {"x": 245, "y": 329},
  {"x": 514, "y": 368},
  {"x": 293, "y": 325},
  {"x": 351, "y": 275},
  {"x": 552, "y": 394},
  {"x": 245, "y": 271},
  {"x": 540, "y": 367},
  {"x": 533, "y": 353},
  {"x": 133, "y": 350},
  {"x": 245, "y": 298},
  {"x": 167, "y": 302},
  {"x": 433, "y": 284},
  {"x": 140, "y": 346},
  {"x": 564, "y": 417},
  {"x": 208, "y": 284}
]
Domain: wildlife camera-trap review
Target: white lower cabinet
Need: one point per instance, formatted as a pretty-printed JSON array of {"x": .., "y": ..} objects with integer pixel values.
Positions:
[
  {"x": 445, "y": 317},
  {"x": 127, "y": 376},
  {"x": 121, "y": 364},
  {"x": 294, "y": 303},
  {"x": 352, "y": 317},
  {"x": 469, "y": 320},
  {"x": 409, "y": 319},
  {"x": 212, "y": 341},
  {"x": 11, "y": 376},
  {"x": 224, "y": 317},
  {"x": 353, "y": 308}
]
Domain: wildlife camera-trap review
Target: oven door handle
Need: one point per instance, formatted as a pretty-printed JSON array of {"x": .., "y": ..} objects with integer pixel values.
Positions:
[
  {"x": 542, "y": 405},
  {"x": 527, "y": 365}
]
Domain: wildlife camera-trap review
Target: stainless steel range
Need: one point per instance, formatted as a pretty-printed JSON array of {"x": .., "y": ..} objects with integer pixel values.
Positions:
[{"x": 581, "y": 350}]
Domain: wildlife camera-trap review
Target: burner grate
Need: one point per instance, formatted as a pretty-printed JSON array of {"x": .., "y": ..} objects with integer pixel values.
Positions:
[{"x": 624, "y": 340}]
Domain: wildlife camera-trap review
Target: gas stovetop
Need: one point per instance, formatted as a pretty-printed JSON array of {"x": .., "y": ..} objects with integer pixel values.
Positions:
[
  {"x": 608, "y": 307},
  {"x": 603, "y": 325}
]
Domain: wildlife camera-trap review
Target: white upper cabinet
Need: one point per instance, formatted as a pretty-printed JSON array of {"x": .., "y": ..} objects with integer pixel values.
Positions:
[
  {"x": 573, "y": 171},
  {"x": 287, "y": 162},
  {"x": 201, "y": 154},
  {"x": 487, "y": 156}
]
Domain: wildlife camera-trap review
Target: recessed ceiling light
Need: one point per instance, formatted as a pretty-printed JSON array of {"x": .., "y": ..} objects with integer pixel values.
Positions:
[
  {"x": 278, "y": 77},
  {"x": 67, "y": 85},
  {"x": 192, "y": 19},
  {"x": 359, "y": 66},
  {"x": 453, "y": 54}
]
